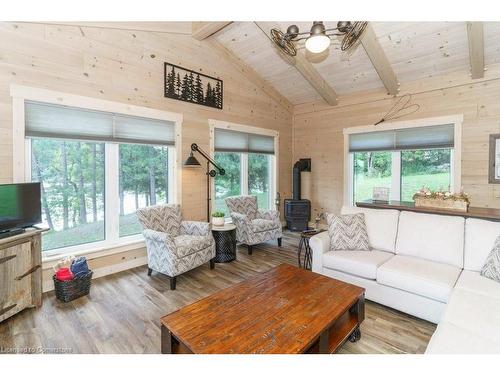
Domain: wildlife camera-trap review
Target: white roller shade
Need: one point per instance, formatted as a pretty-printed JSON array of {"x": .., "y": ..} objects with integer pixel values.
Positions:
[
  {"x": 234, "y": 141},
  {"x": 56, "y": 121},
  {"x": 439, "y": 136}
]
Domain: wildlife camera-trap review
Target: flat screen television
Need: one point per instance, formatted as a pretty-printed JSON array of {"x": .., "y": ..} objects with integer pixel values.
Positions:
[{"x": 19, "y": 206}]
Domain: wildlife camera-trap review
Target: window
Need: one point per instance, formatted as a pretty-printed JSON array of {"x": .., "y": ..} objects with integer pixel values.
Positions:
[
  {"x": 419, "y": 168},
  {"x": 371, "y": 169},
  {"x": 71, "y": 174},
  {"x": 429, "y": 168},
  {"x": 259, "y": 179},
  {"x": 249, "y": 162},
  {"x": 143, "y": 181},
  {"x": 96, "y": 169},
  {"x": 403, "y": 160},
  {"x": 229, "y": 184}
]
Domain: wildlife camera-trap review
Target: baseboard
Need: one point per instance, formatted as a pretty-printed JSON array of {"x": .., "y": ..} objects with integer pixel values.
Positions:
[{"x": 115, "y": 268}]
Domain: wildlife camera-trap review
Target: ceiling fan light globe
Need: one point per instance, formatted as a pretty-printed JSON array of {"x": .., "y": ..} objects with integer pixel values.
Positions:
[{"x": 317, "y": 43}]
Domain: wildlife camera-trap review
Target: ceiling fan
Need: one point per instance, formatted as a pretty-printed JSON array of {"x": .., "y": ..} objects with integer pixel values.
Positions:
[{"x": 318, "y": 38}]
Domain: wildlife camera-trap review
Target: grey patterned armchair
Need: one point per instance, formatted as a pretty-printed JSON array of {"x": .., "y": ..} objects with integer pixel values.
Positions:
[
  {"x": 175, "y": 246},
  {"x": 253, "y": 226}
]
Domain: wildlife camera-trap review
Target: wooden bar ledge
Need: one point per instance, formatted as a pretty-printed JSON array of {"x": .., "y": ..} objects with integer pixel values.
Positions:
[{"x": 473, "y": 212}]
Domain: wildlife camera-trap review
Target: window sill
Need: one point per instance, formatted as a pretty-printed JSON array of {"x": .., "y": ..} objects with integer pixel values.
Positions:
[{"x": 97, "y": 251}]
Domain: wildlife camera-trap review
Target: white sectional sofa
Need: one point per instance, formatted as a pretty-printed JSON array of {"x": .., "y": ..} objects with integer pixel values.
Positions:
[{"x": 427, "y": 266}]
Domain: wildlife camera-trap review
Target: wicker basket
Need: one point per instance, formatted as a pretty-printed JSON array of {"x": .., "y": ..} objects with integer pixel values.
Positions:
[{"x": 72, "y": 289}]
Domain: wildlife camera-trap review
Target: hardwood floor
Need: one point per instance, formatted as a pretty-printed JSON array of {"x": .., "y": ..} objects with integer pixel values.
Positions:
[{"x": 122, "y": 313}]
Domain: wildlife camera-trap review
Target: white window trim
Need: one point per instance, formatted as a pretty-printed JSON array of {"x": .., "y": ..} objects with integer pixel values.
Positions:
[
  {"x": 456, "y": 154},
  {"x": 21, "y": 157},
  {"x": 217, "y": 124},
  {"x": 395, "y": 194}
]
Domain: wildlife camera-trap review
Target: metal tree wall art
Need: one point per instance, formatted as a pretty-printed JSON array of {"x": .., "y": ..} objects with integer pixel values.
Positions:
[{"x": 194, "y": 87}]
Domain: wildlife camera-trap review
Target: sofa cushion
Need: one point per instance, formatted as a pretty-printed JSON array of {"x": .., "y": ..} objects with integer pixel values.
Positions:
[
  {"x": 187, "y": 245},
  {"x": 347, "y": 232},
  {"x": 438, "y": 238},
  {"x": 262, "y": 225},
  {"x": 451, "y": 339},
  {"x": 480, "y": 236},
  {"x": 359, "y": 263},
  {"x": 419, "y": 276},
  {"x": 478, "y": 313},
  {"x": 471, "y": 281},
  {"x": 381, "y": 225}
]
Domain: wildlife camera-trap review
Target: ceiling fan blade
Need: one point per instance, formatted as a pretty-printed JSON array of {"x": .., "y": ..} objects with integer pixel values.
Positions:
[
  {"x": 353, "y": 35},
  {"x": 283, "y": 42}
]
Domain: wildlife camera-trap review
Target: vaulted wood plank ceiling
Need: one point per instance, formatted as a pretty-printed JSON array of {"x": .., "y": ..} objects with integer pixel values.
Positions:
[
  {"x": 399, "y": 53},
  {"x": 249, "y": 43},
  {"x": 414, "y": 50},
  {"x": 418, "y": 50}
]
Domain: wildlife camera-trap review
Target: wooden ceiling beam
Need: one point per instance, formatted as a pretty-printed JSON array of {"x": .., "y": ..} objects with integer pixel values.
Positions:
[
  {"x": 202, "y": 30},
  {"x": 305, "y": 67},
  {"x": 251, "y": 75},
  {"x": 379, "y": 60},
  {"x": 476, "y": 49}
]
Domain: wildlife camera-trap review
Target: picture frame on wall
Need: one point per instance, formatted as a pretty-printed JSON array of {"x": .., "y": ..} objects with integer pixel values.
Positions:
[
  {"x": 193, "y": 87},
  {"x": 494, "y": 159}
]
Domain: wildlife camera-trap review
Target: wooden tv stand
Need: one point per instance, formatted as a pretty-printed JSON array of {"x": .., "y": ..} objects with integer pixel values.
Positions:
[{"x": 20, "y": 272}]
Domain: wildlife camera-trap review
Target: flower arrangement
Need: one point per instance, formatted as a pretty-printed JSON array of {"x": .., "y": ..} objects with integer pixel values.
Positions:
[
  {"x": 440, "y": 199},
  {"x": 320, "y": 215},
  {"x": 439, "y": 194}
]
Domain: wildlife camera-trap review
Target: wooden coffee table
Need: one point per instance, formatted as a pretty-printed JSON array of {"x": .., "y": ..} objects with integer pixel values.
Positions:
[{"x": 284, "y": 310}]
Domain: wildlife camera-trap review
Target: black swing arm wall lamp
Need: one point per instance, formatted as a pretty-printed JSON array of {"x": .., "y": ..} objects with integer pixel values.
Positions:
[{"x": 191, "y": 161}]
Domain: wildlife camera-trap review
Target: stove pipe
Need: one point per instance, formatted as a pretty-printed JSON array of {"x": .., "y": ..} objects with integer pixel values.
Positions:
[{"x": 303, "y": 165}]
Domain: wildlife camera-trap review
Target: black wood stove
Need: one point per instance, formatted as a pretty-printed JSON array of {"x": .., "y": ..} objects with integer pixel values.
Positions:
[{"x": 298, "y": 211}]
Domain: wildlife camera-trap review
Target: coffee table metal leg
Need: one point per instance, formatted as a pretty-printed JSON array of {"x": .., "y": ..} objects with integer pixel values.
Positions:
[
  {"x": 358, "y": 309},
  {"x": 355, "y": 335},
  {"x": 166, "y": 340}
]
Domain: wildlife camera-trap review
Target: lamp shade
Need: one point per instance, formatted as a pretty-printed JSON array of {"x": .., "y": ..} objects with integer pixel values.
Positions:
[{"x": 191, "y": 161}]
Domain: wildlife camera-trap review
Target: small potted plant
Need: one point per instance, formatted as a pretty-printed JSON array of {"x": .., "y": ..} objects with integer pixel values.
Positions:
[{"x": 218, "y": 218}]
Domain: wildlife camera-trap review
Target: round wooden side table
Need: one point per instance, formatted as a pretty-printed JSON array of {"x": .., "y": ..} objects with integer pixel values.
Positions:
[
  {"x": 225, "y": 242},
  {"x": 304, "y": 245}
]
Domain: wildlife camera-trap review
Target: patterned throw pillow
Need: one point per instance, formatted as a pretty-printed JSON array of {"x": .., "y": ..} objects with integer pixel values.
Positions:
[
  {"x": 347, "y": 232},
  {"x": 491, "y": 268}
]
